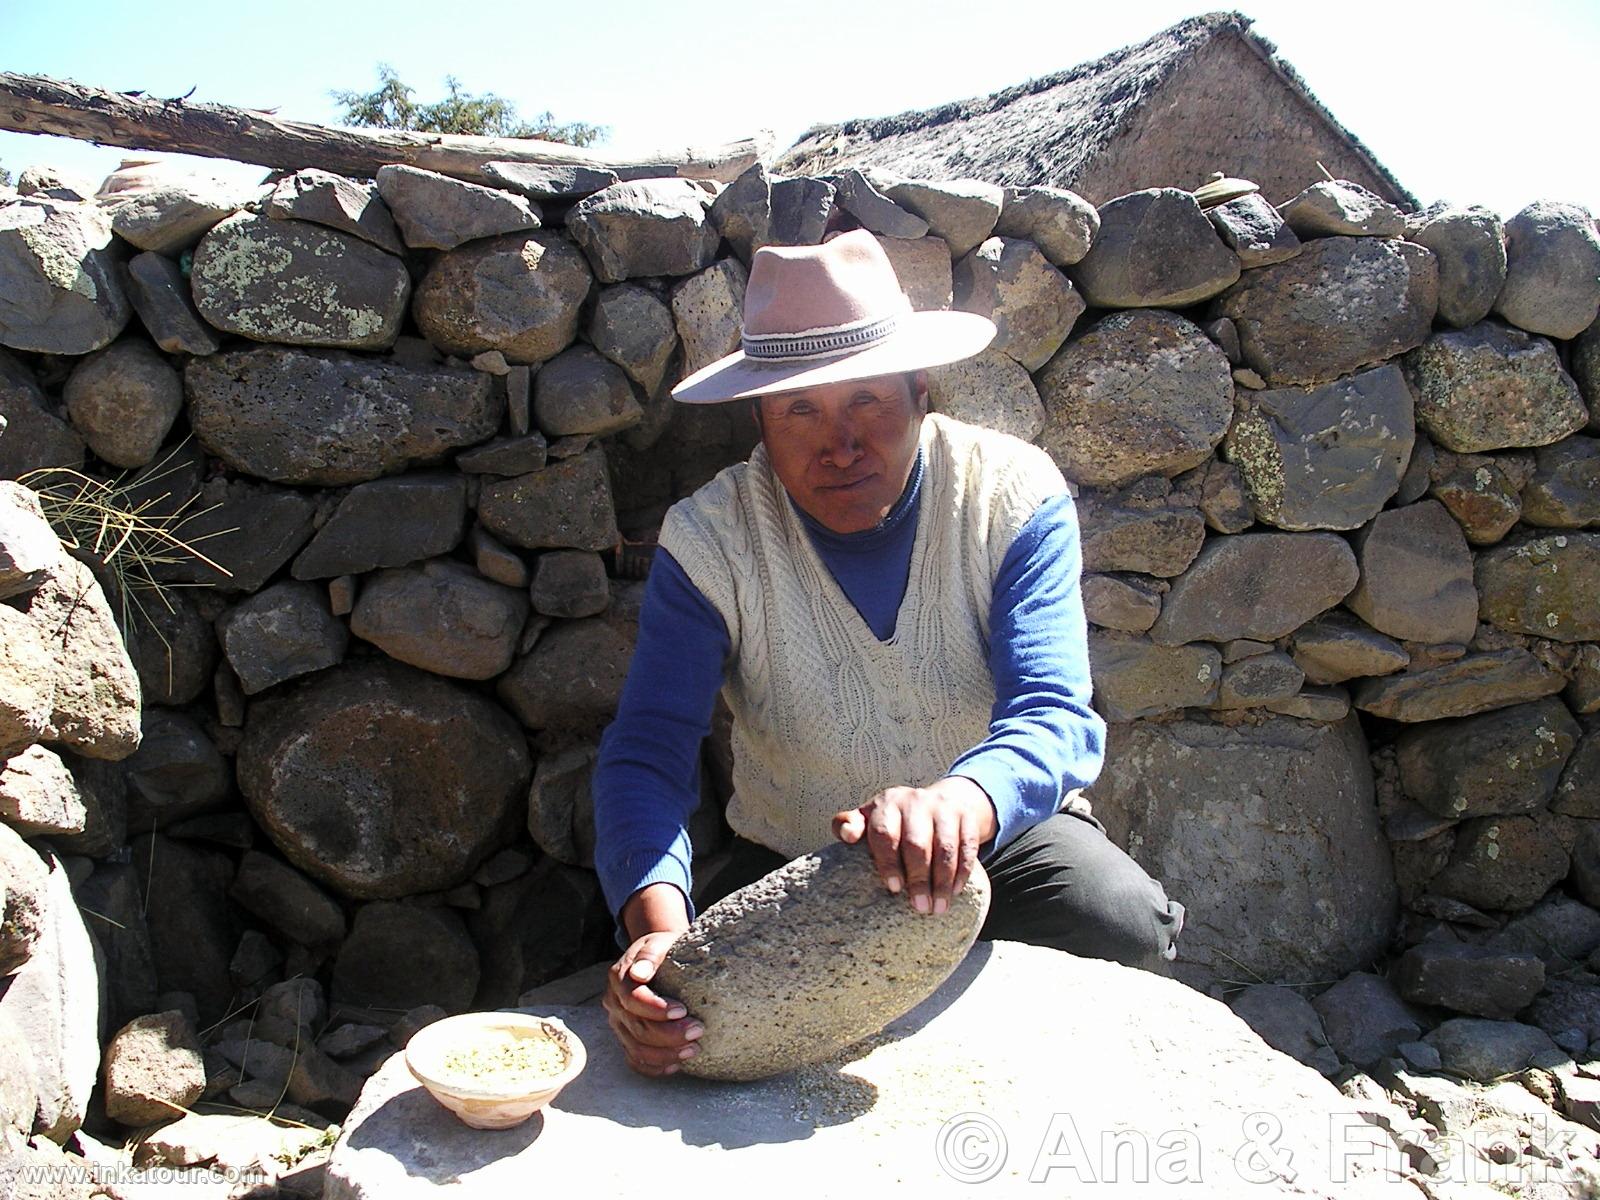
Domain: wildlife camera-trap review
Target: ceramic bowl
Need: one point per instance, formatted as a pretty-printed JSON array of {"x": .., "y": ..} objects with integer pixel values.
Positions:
[{"x": 485, "y": 1103}]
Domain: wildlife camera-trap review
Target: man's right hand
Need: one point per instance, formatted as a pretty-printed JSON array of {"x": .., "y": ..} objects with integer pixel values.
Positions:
[{"x": 657, "y": 1032}]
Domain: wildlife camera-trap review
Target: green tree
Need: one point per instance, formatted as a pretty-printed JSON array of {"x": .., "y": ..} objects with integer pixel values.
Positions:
[{"x": 391, "y": 106}]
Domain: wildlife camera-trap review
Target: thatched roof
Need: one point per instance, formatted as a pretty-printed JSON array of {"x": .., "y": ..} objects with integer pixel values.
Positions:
[{"x": 1049, "y": 128}]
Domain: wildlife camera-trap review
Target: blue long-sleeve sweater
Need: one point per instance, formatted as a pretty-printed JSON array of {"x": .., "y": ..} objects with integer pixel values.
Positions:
[{"x": 1044, "y": 740}]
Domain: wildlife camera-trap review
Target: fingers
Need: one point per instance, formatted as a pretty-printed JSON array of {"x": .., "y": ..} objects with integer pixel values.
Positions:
[
  {"x": 883, "y": 841},
  {"x": 848, "y": 826},
  {"x": 655, "y": 1032},
  {"x": 970, "y": 838},
  {"x": 944, "y": 856},
  {"x": 916, "y": 853}
]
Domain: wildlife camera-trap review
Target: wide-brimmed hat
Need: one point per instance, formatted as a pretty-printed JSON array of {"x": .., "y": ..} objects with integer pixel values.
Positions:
[{"x": 828, "y": 313}]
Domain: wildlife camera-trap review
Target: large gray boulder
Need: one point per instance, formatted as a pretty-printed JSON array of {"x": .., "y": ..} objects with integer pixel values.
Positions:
[
  {"x": 1488, "y": 387},
  {"x": 65, "y": 675},
  {"x": 379, "y": 780},
  {"x": 1338, "y": 207},
  {"x": 774, "y": 971},
  {"x": 646, "y": 227},
  {"x": 878, "y": 1119},
  {"x": 287, "y": 901},
  {"x": 990, "y": 389},
  {"x": 24, "y": 900},
  {"x": 328, "y": 418},
  {"x": 1336, "y": 646},
  {"x": 441, "y": 616},
  {"x": 572, "y": 678},
  {"x": 400, "y": 956},
  {"x": 521, "y": 294},
  {"x": 1133, "y": 677},
  {"x": 247, "y": 530},
  {"x": 295, "y": 282},
  {"x": 59, "y": 290},
  {"x": 1481, "y": 491},
  {"x": 1032, "y": 304},
  {"x": 388, "y": 523},
  {"x": 153, "y": 1069},
  {"x": 1564, "y": 491},
  {"x": 1254, "y": 230},
  {"x": 1486, "y": 1050},
  {"x": 279, "y": 633},
  {"x": 53, "y": 1002},
  {"x": 1343, "y": 303},
  {"x": 172, "y": 218},
  {"x": 1416, "y": 575},
  {"x": 1154, "y": 249},
  {"x": 1125, "y": 532},
  {"x": 632, "y": 327},
  {"x": 707, "y": 309},
  {"x": 862, "y": 199},
  {"x": 38, "y": 795},
  {"x": 1552, "y": 270},
  {"x": 566, "y": 505},
  {"x": 1470, "y": 246},
  {"x": 1468, "y": 979},
  {"x": 923, "y": 267},
  {"x": 963, "y": 212},
  {"x": 1327, "y": 457},
  {"x": 1505, "y": 761},
  {"x": 580, "y": 392},
  {"x": 29, "y": 547},
  {"x": 1507, "y": 863},
  {"x": 1256, "y": 585},
  {"x": 124, "y": 399},
  {"x": 1140, "y": 393},
  {"x": 742, "y": 212},
  {"x": 1268, "y": 834},
  {"x": 1061, "y": 223},
  {"x": 1543, "y": 586},
  {"x": 1472, "y": 684},
  {"x": 436, "y": 212},
  {"x": 33, "y": 436}
]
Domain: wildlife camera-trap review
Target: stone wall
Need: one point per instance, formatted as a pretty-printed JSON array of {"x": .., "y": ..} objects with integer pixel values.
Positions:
[{"x": 1336, "y": 472}]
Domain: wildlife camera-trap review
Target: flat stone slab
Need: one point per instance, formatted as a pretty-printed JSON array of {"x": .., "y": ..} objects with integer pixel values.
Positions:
[{"x": 961, "y": 1090}]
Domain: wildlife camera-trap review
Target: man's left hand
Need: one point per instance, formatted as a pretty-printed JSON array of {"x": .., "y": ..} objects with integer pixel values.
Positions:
[{"x": 923, "y": 840}]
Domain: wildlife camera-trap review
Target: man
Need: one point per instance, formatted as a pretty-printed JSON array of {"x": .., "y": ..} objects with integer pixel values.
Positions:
[{"x": 888, "y": 601}]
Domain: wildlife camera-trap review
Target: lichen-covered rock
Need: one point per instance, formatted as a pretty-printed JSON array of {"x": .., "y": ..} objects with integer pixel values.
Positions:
[
  {"x": 990, "y": 389},
  {"x": 441, "y": 616},
  {"x": 1416, "y": 575},
  {"x": 379, "y": 780},
  {"x": 1154, "y": 249},
  {"x": 65, "y": 675},
  {"x": 646, "y": 227},
  {"x": 153, "y": 1069},
  {"x": 1505, "y": 761},
  {"x": 439, "y": 213},
  {"x": 1254, "y": 230},
  {"x": 1471, "y": 684},
  {"x": 1133, "y": 677},
  {"x": 1489, "y": 387},
  {"x": 59, "y": 291},
  {"x": 1544, "y": 586},
  {"x": 295, "y": 282},
  {"x": 566, "y": 505},
  {"x": 1507, "y": 862},
  {"x": 1337, "y": 207},
  {"x": 1270, "y": 835},
  {"x": 339, "y": 203},
  {"x": 329, "y": 418},
  {"x": 1470, "y": 246},
  {"x": 1327, "y": 457},
  {"x": 124, "y": 399},
  {"x": 1480, "y": 490},
  {"x": 580, "y": 392},
  {"x": 1032, "y": 304},
  {"x": 1256, "y": 585},
  {"x": 521, "y": 294},
  {"x": 810, "y": 959},
  {"x": 1337, "y": 646},
  {"x": 1061, "y": 223},
  {"x": 1552, "y": 270},
  {"x": 1142, "y": 392},
  {"x": 1343, "y": 303},
  {"x": 1564, "y": 491}
]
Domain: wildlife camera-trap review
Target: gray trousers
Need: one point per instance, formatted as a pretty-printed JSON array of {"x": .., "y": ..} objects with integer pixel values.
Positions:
[{"x": 1061, "y": 883}]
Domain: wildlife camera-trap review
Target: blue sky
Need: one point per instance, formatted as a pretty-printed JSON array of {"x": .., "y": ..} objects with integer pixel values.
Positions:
[{"x": 1478, "y": 102}]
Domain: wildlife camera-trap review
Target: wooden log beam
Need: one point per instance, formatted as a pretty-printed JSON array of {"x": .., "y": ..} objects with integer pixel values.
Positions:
[{"x": 38, "y": 104}]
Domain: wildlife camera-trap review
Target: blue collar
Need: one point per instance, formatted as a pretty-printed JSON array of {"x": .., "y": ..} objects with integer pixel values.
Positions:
[{"x": 884, "y": 532}]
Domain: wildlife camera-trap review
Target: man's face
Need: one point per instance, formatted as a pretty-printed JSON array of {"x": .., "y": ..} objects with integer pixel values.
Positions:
[{"x": 845, "y": 450}]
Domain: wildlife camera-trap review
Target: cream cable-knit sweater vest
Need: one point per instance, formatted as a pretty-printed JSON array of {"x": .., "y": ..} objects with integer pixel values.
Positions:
[{"x": 824, "y": 714}]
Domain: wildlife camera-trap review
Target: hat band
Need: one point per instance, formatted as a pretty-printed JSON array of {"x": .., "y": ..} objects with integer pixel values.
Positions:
[{"x": 781, "y": 347}]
